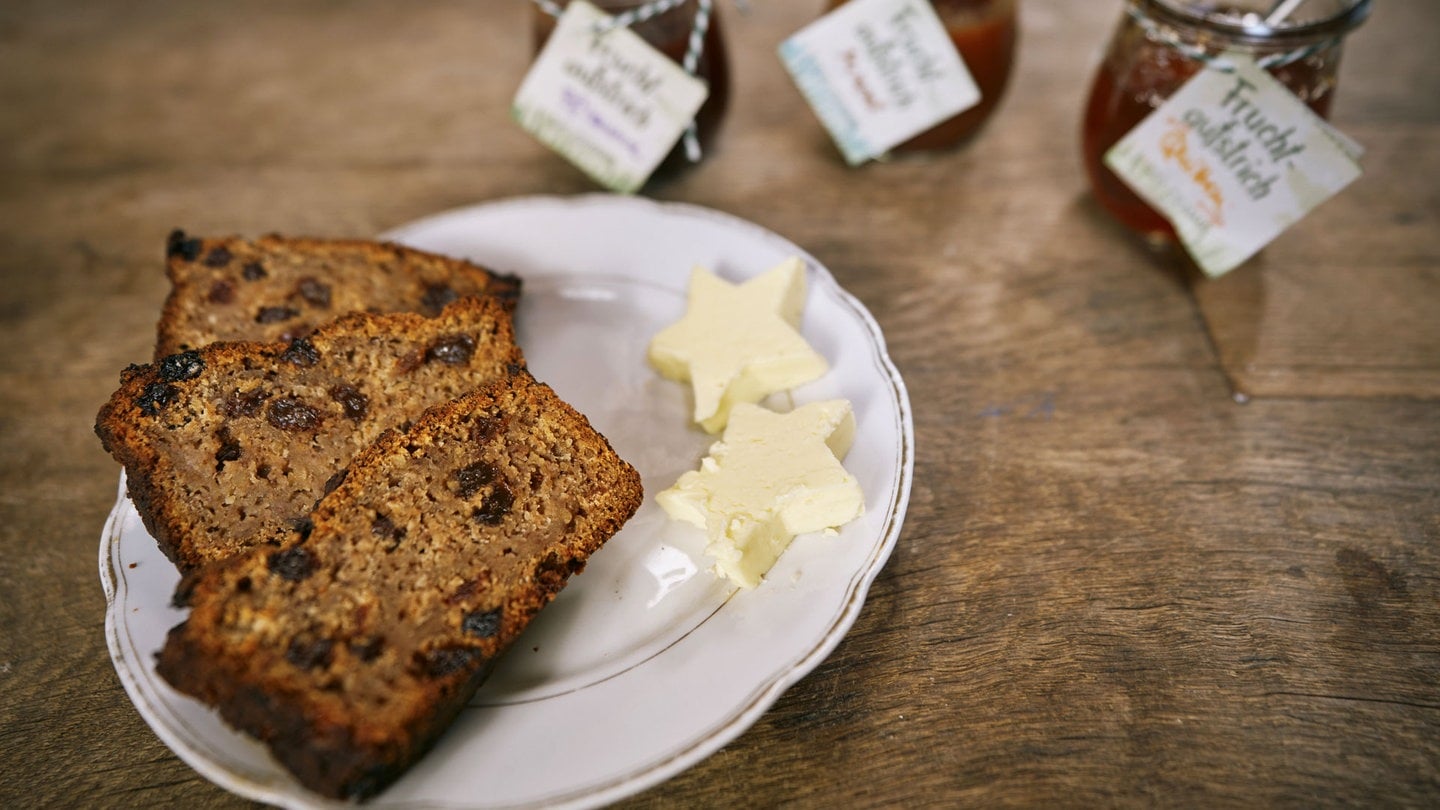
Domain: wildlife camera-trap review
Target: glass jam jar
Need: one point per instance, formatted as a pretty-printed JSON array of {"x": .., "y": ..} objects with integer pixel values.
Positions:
[
  {"x": 669, "y": 32},
  {"x": 1160, "y": 44},
  {"x": 985, "y": 33}
]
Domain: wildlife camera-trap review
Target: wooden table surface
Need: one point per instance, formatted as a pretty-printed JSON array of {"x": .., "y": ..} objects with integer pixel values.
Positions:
[{"x": 1116, "y": 584}]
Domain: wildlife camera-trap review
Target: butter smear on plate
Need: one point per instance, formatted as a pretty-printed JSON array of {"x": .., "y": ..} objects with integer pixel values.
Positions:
[
  {"x": 770, "y": 477},
  {"x": 738, "y": 343}
]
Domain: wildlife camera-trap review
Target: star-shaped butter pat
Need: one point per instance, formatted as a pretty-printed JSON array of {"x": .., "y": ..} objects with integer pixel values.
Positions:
[
  {"x": 738, "y": 343},
  {"x": 770, "y": 477}
]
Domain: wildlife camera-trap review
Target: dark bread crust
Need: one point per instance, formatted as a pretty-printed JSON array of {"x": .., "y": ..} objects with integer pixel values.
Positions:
[
  {"x": 277, "y": 288},
  {"x": 350, "y": 647},
  {"x": 231, "y": 444}
]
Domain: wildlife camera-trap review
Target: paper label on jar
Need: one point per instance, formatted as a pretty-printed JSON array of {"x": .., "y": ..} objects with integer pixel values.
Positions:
[
  {"x": 1232, "y": 159},
  {"x": 879, "y": 72},
  {"x": 605, "y": 99}
]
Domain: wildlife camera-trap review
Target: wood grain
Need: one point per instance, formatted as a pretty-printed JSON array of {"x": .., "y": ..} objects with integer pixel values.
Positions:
[{"x": 1116, "y": 586}]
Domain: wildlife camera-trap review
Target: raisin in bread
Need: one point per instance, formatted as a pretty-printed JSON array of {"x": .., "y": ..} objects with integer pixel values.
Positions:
[
  {"x": 279, "y": 288},
  {"x": 232, "y": 444},
  {"x": 349, "y": 647}
]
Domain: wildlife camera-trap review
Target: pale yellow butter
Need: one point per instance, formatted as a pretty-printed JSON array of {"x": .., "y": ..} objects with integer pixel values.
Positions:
[
  {"x": 770, "y": 477},
  {"x": 738, "y": 343}
]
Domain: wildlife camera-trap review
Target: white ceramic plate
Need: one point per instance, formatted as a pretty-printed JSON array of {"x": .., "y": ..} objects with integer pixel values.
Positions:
[{"x": 646, "y": 663}]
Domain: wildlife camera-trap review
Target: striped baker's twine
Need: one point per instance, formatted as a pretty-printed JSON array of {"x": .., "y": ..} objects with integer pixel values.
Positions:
[
  {"x": 1168, "y": 36},
  {"x": 693, "y": 50},
  {"x": 692, "y": 61}
]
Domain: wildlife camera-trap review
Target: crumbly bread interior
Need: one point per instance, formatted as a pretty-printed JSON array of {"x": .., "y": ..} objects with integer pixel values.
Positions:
[
  {"x": 278, "y": 288},
  {"x": 349, "y": 646},
  {"x": 232, "y": 444}
]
